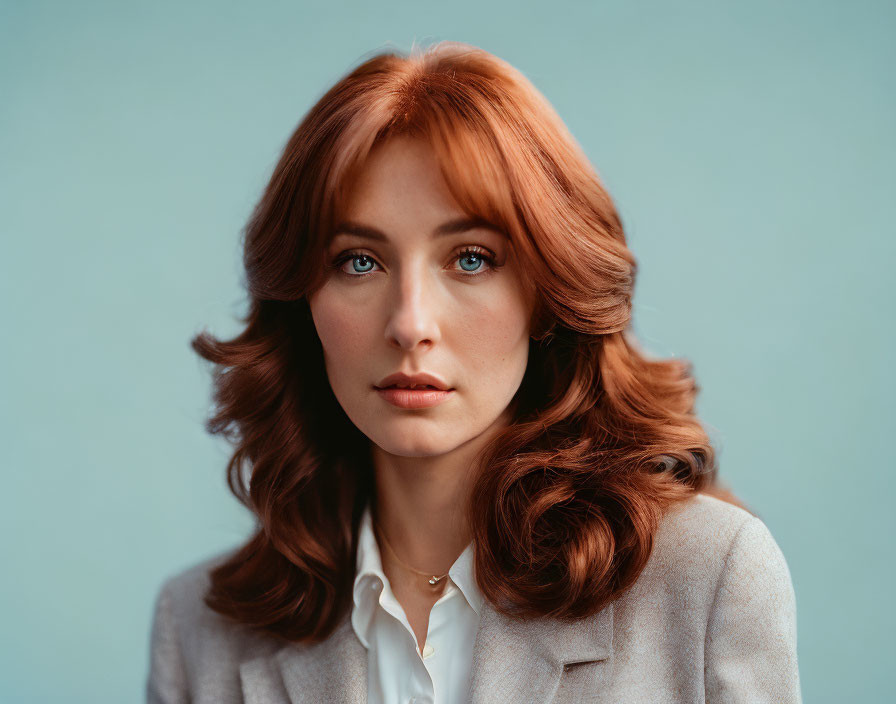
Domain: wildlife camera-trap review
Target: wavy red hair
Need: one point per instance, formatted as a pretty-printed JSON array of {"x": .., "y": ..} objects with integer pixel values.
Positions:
[{"x": 604, "y": 438}]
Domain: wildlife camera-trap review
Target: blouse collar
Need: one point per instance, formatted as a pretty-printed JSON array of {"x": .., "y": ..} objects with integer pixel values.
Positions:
[{"x": 370, "y": 577}]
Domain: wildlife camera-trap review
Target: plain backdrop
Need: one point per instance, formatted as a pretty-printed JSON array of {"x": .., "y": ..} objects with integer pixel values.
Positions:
[{"x": 749, "y": 147}]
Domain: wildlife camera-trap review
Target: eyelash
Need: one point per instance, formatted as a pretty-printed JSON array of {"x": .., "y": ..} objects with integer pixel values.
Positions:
[{"x": 479, "y": 252}]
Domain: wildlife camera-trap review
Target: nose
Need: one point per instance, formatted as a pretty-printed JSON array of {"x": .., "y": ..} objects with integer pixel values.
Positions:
[{"x": 413, "y": 314}]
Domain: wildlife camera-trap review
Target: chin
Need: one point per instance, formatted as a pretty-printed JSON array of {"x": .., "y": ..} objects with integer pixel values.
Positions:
[{"x": 412, "y": 445}]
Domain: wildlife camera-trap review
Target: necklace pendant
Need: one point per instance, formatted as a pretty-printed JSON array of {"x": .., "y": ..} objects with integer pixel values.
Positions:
[{"x": 434, "y": 580}]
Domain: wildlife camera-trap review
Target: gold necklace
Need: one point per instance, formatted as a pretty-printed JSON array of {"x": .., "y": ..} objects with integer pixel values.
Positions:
[{"x": 433, "y": 579}]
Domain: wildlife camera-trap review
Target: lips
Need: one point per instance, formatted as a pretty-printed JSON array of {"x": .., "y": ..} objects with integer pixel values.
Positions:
[
  {"x": 421, "y": 380},
  {"x": 420, "y": 397},
  {"x": 412, "y": 387}
]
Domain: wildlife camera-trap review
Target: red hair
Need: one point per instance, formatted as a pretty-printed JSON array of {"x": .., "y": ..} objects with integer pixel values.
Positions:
[{"x": 604, "y": 439}]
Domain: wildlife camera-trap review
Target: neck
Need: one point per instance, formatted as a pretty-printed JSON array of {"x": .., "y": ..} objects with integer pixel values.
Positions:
[
  {"x": 421, "y": 511},
  {"x": 420, "y": 504}
]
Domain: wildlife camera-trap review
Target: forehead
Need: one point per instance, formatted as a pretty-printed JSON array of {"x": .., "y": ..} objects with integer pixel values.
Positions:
[
  {"x": 449, "y": 227},
  {"x": 402, "y": 182},
  {"x": 397, "y": 171}
]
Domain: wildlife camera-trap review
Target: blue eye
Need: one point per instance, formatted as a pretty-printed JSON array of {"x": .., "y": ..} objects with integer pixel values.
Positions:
[
  {"x": 358, "y": 257},
  {"x": 468, "y": 255},
  {"x": 475, "y": 256},
  {"x": 471, "y": 257}
]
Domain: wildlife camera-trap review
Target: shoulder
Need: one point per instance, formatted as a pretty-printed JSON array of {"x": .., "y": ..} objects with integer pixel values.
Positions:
[
  {"x": 708, "y": 529},
  {"x": 713, "y": 611},
  {"x": 704, "y": 544},
  {"x": 183, "y": 591},
  {"x": 714, "y": 600},
  {"x": 201, "y": 634},
  {"x": 702, "y": 526},
  {"x": 195, "y": 653}
]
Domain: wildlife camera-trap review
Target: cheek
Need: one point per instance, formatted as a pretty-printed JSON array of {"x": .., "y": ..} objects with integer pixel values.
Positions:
[
  {"x": 494, "y": 333},
  {"x": 340, "y": 327}
]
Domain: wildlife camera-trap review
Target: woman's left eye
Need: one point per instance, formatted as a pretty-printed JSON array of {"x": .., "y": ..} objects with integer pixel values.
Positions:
[
  {"x": 471, "y": 260},
  {"x": 476, "y": 255}
]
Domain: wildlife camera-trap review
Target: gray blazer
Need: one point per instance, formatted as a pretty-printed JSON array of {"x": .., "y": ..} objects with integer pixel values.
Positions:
[{"x": 712, "y": 618}]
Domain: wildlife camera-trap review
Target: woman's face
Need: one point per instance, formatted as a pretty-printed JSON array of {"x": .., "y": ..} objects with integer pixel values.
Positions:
[{"x": 406, "y": 294}]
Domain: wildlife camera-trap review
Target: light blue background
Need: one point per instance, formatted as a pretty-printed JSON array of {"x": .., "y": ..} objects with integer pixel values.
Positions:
[{"x": 749, "y": 147}]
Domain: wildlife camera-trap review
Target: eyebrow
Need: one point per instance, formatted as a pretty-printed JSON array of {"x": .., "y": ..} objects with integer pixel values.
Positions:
[{"x": 452, "y": 227}]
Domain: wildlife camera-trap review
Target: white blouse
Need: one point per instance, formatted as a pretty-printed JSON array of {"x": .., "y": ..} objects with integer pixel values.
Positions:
[{"x": 397, "y": 673}]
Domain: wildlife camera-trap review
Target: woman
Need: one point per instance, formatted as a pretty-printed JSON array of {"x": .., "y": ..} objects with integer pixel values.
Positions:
[{"x": 470, "y": 483}]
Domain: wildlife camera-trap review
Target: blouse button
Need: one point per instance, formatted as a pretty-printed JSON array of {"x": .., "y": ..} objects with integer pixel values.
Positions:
[{"x": 428, "y": 650}]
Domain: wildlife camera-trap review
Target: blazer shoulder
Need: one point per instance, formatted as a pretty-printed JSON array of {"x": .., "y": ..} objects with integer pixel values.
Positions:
[
  {"x": 195, "y": 652},
  {"x": 186, "y": 588},
  {"x": 716, "y": 588},
  {"x": 695, "y": 538},
  {"x": 701, "y": 517},
  {"x": 198, "y": 627}
]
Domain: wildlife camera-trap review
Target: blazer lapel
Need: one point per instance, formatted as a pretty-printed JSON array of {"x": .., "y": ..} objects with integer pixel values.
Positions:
[
  {"x": 332, "y": 671},
  {"x": 535, "y": 661},
  {"x": 532, "y": 661}
]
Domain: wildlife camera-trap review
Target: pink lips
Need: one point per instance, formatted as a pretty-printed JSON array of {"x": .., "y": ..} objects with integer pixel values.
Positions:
[{"x": 414, "y": 398}]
